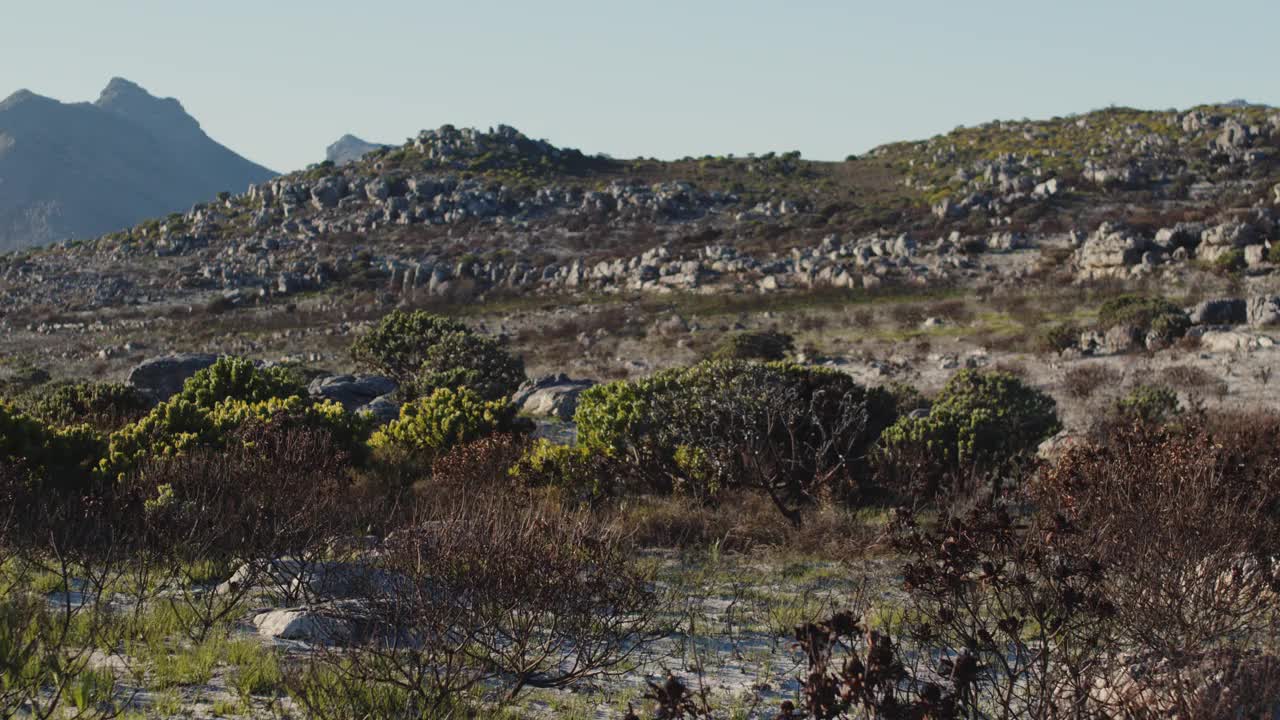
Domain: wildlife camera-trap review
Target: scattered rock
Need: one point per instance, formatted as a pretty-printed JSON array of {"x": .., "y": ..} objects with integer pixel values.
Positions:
[
  {"x": 551, "y": 396},
  {"x": 1263, "y": 310},
  {"x": 1221, "y": 311},
  {"x": 162, "y": 377},
  {"x": 351, "y": 391}
]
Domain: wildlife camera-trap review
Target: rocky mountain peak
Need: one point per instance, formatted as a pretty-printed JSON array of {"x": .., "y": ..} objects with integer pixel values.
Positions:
[
  {"x": 18, "y": 98},
  {"x": 163, "y": 116}
]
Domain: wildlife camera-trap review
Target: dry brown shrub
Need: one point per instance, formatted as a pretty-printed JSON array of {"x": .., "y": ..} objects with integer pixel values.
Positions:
[
  {"x": 743, "y": 522},
  {"x": 1190, "y": 378},
  {"x": 1082, "y": 381}
]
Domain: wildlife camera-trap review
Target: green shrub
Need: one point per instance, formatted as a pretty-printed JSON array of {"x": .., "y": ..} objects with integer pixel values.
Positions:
[
  {"x": 979, "y": 418},
  {"x": 753, "y": 345},
  {"x": 781, "y": 427},
  {"x": 1059, "y": 337},
  {"x": 429, "y": 426},
  {"x": 1229, "y": 262},
  {"x": 1153, "y": 404},
  {"x": 574, "y": 469},
  {"x": 63, "y": 456},
  {"x": 1273, "y": 252},
  {"x": 177, "y": 425},
  {"x": 1148, "y": 314},
  {"x": 235, "y": 378},
  {"x": 105, "y": 405},
  {"x": 424, "y": 352}
]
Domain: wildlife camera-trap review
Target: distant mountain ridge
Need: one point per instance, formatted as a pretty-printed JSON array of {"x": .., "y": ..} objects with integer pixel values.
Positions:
[
  {"x": 78, "y": 170},
  {"x": 349, "y": 148}
]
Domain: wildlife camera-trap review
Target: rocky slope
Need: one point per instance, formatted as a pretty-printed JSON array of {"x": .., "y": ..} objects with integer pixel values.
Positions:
[
  {"x": 462, "y": 215},
  {"x": 77, "y": 170}
]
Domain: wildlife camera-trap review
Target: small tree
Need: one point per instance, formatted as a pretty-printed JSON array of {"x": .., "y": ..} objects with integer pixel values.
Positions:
[{"x": 424, "y": 352}]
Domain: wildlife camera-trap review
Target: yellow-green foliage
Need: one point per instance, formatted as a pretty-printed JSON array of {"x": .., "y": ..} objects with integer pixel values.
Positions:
[
  {"x": 979, "y": 417},
  {"x": 430, "y": 425},
  {"x": 47, "y": 449},
  {"x": 235, "y": 378},
  {"x": 572, "y": 468},
  {"x": 103, "y": 404},
  {"x": 174, "y": 426}
]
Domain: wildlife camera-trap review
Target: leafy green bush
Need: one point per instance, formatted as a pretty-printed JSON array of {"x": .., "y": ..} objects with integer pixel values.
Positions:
[
  {"x": 788, "y": 429},
  {"x": 177, "y": 425},
  {"x": 1152, "y": 404},
  {"x": 574, "y": 469},
  {"x": 424, "y": 352},
  {"x": 105, "y": 405},
  {"x": 1148, "y": 314},
  {"x": 979, "y": 418},
  {"x": 60, "y": 455},
  {"x": 429, "y": 426},
  {"x": 235, "y": 378},
  {"x": 753, "y": 345}
]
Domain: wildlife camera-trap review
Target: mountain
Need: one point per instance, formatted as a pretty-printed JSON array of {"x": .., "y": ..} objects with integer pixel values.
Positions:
[
  {"x": 78, "y": 170},
  {"x": 349, "y": 149}
]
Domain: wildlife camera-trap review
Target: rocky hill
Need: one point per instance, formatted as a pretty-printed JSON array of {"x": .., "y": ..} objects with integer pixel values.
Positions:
[
  {"x": 468, "y": 218},
  {"x": 77, "y": 170}
]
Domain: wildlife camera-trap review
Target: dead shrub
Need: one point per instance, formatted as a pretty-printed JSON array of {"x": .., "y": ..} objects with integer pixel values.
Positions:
[
  {"x": 1190, "y": 378},
  {"x": 273, "y": 492},
  {"x": 1082, "y": 381},
  {"x": 492, "y": 593}
]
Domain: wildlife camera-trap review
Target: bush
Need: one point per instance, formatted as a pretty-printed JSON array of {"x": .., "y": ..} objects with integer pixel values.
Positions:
[
  {"x": 1229, "y": 262},
  {"x": 1153, "y": 404},
  {"x": 429, "y": 426},
  {"x": 978, "y": 419},
  {"x": 234, "y": 378},
  {"x": 1083, "y": 381},
  {"x": 177, "y": 425},
  {"x": 757, "y": 345},
  {"x": 1059, "y": 337},
  {"x": 103, "y": 405},
  {"x": 787, "y": 429},
  {"x": 425, "y": 352},
  {"x": 58, "y": 455},
  {"x": 573, "y": 469},
  {"x": 1147, "y": 314}
]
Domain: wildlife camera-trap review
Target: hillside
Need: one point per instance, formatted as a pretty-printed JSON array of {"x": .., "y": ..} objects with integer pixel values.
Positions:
[
  {"x": 475, "y": 221},
  {"x": 77, "y": 170}
]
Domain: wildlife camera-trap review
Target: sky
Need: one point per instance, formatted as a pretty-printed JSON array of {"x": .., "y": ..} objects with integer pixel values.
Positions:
[{"x": 278, "y": 80}]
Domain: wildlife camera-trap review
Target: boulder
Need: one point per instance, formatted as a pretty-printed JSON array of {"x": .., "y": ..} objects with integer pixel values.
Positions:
[
  {"x": 1225, "y": 341},
  {"x": 1220, "y": 311},
  {"x": 162, "y": 377},
  {"x": 551, "y": 396},
  {"x": 382, "y": 409},
  {"x": 323, "y": 624},
  {"x": 1123, "y": 339},
  {"x": 1255, "y": 255},
  {"x": 1220, "y": 239},
  {"x": 1109, "y": 252},
  {"x": 1263, "y": 310},
  {"x": 351, "y": 391}
]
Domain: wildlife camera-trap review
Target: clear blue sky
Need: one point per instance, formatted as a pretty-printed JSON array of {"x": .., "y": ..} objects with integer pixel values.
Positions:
[{"x": 278, "y": 80}]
